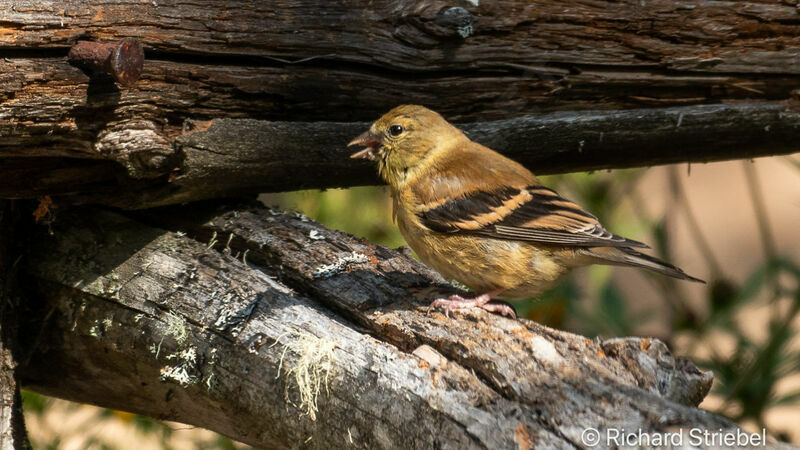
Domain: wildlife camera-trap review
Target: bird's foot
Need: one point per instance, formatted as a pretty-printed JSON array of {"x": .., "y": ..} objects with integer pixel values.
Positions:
[
  {"x": 500, "y": 307},
  {"x": 483, "y": 301}
]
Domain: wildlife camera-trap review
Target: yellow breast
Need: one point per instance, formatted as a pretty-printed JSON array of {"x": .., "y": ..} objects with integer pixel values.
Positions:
[{"x": 484, "y": 264}]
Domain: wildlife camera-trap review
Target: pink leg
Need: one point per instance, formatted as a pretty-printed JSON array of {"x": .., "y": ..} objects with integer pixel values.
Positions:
[{"x": 483, "y": 301}]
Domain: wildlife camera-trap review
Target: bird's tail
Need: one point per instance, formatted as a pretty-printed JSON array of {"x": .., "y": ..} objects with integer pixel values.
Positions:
[{"x": 626, "y": 256}]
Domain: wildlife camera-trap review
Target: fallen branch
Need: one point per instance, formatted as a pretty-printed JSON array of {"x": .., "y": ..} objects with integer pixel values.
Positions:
[{"x": 133, "y": 317}]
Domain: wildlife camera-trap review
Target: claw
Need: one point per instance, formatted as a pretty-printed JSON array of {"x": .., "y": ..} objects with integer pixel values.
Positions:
[
  {"x": 502, "y": 308},
  {"x": 483, "y": 301}
]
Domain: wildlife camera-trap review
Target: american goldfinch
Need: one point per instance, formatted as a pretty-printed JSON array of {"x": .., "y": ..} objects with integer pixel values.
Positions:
[{"x": 482, "y": 219}]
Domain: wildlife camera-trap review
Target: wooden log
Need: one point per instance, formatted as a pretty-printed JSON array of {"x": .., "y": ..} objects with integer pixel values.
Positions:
[
  {"x": 229, "y": 157},
  {"x": 80, "y": 137},
  {"x": 160, "y": 323},
  {"x": 12, "y": 422},
  {"x": 431, "y": 36}
]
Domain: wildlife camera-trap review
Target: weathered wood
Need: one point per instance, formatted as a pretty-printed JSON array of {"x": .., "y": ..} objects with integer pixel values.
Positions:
[
  {"x": 757, "y": 37},
  {"x": 229, "y": 157},
  {"x": 13, "y": 435},
  {"x": 158, "y": 323},
  {"x": 63, "y": 132},
  {"x": 234, "y": 155},
  {"x": 242, "y": 97}
]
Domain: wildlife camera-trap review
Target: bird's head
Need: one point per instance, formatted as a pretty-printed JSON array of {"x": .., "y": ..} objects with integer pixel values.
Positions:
[{"x": 403, "y": 141}]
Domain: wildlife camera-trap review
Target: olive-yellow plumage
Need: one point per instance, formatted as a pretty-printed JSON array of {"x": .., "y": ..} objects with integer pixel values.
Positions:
[{"x": 482, "y": 219}]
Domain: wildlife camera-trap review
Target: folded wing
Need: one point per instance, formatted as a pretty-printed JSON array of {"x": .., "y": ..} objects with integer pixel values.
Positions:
[{"x": 533, "y": 213}]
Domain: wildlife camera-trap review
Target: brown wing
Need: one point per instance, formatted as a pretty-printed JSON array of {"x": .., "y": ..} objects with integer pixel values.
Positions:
[{"x": 533, "y": 213}]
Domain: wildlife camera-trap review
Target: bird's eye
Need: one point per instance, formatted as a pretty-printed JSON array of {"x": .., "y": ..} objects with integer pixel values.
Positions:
[{"x": 396, "y": 130}]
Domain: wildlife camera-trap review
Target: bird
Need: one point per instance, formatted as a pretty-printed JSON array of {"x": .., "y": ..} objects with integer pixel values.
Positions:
[{"x": 481, "y": 218}]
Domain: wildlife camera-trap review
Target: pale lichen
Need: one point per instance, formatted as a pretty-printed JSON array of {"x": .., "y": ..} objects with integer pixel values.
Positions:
[
  {"x": 233, "y": 315},
  {"x": 213, "y": 241},
  {"x": 211, "y": 380},
  {"x": 176, "y": 327},
  {"x": 302, "y": 217},
  {"x": 96, "y": 330},
  {"x": 227, "y": 249},
  {"x": 185, "y": 371},
  {"x": 310, "y": 370},
  {"x": 329, "y": 270}
]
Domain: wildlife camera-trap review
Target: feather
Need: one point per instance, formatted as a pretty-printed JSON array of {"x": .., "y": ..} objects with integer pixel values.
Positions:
[
  {"x": 534, "y": 213},
  {"x": 629, "y": 257}
]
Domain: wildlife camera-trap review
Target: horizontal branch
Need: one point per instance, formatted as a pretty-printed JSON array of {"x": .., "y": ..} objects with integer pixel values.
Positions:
[
  {"x": 136, "y": 318},
  {"x": 546, "y": 66},
  {"x": 721, "y": 37},
  {"x": 228, "y": 157}
]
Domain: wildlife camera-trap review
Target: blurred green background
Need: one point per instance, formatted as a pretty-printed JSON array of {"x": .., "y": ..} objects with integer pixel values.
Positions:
[{"x": 733, "y": 224}]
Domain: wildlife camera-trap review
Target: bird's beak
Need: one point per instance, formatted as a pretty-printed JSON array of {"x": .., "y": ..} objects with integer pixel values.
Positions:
[{"x": 368, "y": 140}]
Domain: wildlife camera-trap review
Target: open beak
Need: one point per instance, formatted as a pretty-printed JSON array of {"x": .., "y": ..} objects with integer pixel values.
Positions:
[{"x": 368, "y": 140}]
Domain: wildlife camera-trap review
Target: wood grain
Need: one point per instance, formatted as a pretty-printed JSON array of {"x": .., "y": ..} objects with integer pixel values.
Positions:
[
  {"x": 80, "y": 137},
  {"x": 13, "y": 434},
  {"x": 177, "y": 327},
  {"x": 231, "y": 157}
]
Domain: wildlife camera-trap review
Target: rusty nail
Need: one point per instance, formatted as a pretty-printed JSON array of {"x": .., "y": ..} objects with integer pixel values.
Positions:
[{"x": 123, "y": 60}]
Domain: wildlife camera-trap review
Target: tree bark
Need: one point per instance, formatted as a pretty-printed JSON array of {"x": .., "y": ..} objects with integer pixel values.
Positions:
[
  {"x": 232, "y": 157},
  {"x": 12, "y": 423},
  {"x": 204, "y": 326},
  {"x": 716, "y": 80}
]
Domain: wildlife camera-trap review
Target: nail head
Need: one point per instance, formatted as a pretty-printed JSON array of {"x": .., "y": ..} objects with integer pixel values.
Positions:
[
  {"x": 127, "y": 61},
  {"x": 123, "y": 60}
]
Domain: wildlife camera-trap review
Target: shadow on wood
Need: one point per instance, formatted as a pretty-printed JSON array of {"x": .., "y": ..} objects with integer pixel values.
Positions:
[{"x": 273, "y": 330}]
